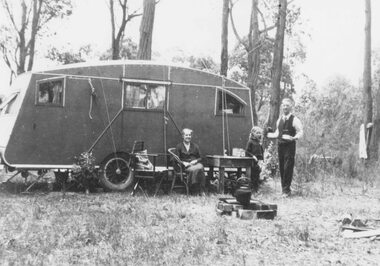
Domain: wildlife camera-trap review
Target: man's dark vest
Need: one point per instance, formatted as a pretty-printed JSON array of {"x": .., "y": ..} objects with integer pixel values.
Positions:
[{"x": 286, "y": 127}]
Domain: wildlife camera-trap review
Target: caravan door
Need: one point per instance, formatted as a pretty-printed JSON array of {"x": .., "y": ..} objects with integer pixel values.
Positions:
[{"x": 144, "y": 104}]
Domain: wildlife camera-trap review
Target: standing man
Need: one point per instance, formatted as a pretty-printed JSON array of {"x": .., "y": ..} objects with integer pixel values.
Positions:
[{"x": 289, "y": 129}]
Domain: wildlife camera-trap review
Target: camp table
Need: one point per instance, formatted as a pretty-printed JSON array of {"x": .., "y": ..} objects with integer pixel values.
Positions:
[{"x": 223, "y": 162}]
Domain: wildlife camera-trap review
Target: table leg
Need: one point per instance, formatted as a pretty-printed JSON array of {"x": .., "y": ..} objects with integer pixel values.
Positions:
[
  {"x": 210, "y": 175},
  {"x": 221, "y": 180},
  {"x": 238, "y": 172},
  {"x": 248, "y": 171},
  {"x": 255, "y": 182}
]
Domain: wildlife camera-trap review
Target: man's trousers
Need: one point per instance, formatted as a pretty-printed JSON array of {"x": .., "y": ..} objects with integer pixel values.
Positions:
[{"x": 286, "y": 154}]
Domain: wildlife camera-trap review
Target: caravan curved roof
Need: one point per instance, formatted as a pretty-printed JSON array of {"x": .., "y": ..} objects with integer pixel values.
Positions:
[{"x": 133, "y": 63}]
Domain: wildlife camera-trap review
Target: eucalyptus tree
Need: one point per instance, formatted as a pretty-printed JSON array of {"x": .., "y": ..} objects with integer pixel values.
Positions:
[
  {"x": 253, "y": 59},
  {"x": 26, "y": 21},
  {"x": 278, "y": 55},
  {"x": 224, "y": 38},
  {"x": 117, "y": 30},
  {"x": 252, "y": 47},
  {"x": 367, "y": 86},
  {"x": 146, "y": 30}
]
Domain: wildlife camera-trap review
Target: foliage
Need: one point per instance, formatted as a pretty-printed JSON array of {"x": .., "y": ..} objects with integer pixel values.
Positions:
[
  {"x": 128, "y": 50},
  {"x": 270, "y": 163},
  {"x": 238, "y": 71},
  {"x": 205, "y": 63},
  {"x": 26, "y": 22},
  {"x": 68, "y": 57},
  {"x": 331, "y": 117},
  {"x": 294, "y": 52},
  {"x": 84, "y": 170},
  {"x": 120, "y": 17}
]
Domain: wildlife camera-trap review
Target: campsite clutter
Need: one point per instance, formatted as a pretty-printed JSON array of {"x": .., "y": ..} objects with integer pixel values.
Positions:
[
  {"x": 242, "y": 205},
  {"x": 254, "y": 209},
  {"x": 360, "y": 228}
]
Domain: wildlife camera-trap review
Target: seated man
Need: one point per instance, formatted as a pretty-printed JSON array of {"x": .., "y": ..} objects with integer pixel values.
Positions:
[{"x": 189, "y": 154}]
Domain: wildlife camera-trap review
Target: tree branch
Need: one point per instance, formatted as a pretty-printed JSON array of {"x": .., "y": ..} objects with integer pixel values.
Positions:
[
  {"x": 123, "y": 20},
  {"x": 15, "y": 57},
  {"x": 130, "y": 17},
  {"x": 234, "y": 28},
  {"x": 5, "y": 56},
  {"x": 112, "y": 19},
  {"x": 9, "y": 13},
  {"x": 269, "y": 39},
  {"x": 255, "y": 48},
  {"x": 266, "y": 29}
]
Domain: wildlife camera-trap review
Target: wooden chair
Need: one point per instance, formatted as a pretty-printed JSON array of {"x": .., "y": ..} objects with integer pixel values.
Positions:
[{"x": 179, "y": 173}]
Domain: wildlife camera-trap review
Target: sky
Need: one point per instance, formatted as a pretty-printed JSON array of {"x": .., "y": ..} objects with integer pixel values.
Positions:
[{"x": 193, "y": 27}]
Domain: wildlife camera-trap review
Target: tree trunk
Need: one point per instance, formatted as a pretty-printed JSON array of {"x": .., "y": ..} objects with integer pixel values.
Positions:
[
  {"x": 224, "y": 54},
  {"x": 253, "y": 57},
  {"x": 278, "y": 55},
  {"x": 368, "y": 112},
  {"x": 114, "y": 45},
  {"x": 376, "y": 129},
  {"x": 117, "y": 38},
  {"x": 22, "y": 42},
  {"x": 36, "y": 16},
  {"x": 146, "y": 31}
]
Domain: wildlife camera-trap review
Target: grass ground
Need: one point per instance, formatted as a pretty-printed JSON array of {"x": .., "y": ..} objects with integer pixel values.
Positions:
[{"x": 117, "y": 229}]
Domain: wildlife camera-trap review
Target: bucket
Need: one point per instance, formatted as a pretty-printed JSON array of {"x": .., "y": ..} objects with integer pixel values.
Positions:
[{"x": 243, "y": 195}]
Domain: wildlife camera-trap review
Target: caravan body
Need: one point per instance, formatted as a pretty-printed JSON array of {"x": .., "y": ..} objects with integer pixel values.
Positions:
[{"x": 53, "y": 115}]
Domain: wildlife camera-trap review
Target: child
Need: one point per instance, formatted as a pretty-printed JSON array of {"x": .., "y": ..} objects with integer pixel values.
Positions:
[{"x": 255, "y": 150}]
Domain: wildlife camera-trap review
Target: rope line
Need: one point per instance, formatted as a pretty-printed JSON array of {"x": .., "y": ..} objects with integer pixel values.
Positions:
[{"x": 108, "y": 118}]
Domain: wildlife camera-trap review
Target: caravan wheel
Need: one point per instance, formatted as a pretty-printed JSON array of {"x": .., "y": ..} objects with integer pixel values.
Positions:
[{"x": 116, "y": 173}]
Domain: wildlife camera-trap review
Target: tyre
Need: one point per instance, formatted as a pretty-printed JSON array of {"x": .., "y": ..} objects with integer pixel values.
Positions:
[{"x": 116, "y": 173}]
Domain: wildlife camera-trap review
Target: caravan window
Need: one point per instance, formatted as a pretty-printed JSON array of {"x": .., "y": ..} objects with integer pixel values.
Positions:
[
  {"x": 144, "y": 96},
  {"x": 50, "y": 92},
  {"x": 6, "y": 106},
  {"x": 229, "y": 103}
]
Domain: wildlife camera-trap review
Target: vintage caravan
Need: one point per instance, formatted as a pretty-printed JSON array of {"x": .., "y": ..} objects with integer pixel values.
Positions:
[{"x": 51, "y": 116}]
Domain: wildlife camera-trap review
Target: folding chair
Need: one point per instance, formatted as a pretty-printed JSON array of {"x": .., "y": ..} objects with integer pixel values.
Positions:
[
  {"x": 142, "y": 175},
  {"x": 179, "y": 172},
  {"x": 138, "y": 145}
]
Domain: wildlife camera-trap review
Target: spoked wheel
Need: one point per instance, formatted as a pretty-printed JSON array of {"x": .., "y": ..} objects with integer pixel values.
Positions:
[{"x": 116, "y": 173}]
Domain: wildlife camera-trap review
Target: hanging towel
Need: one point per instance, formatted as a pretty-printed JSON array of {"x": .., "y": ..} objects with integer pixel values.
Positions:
[{"x": 362, "y": 144}]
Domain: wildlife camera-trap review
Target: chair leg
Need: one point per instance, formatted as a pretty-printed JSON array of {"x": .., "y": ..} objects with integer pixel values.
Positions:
[
  {"x": 159, "y": 185},
  {"x": 173, "y": 183},
  {"x": 187, "y": 189},
  {"x": 135, "y": 187}
]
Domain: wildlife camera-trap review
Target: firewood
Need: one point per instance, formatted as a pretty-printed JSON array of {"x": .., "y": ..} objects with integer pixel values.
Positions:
[
  {"x": 355, "y": 228},
  {"x": 368, "y": 233}
]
